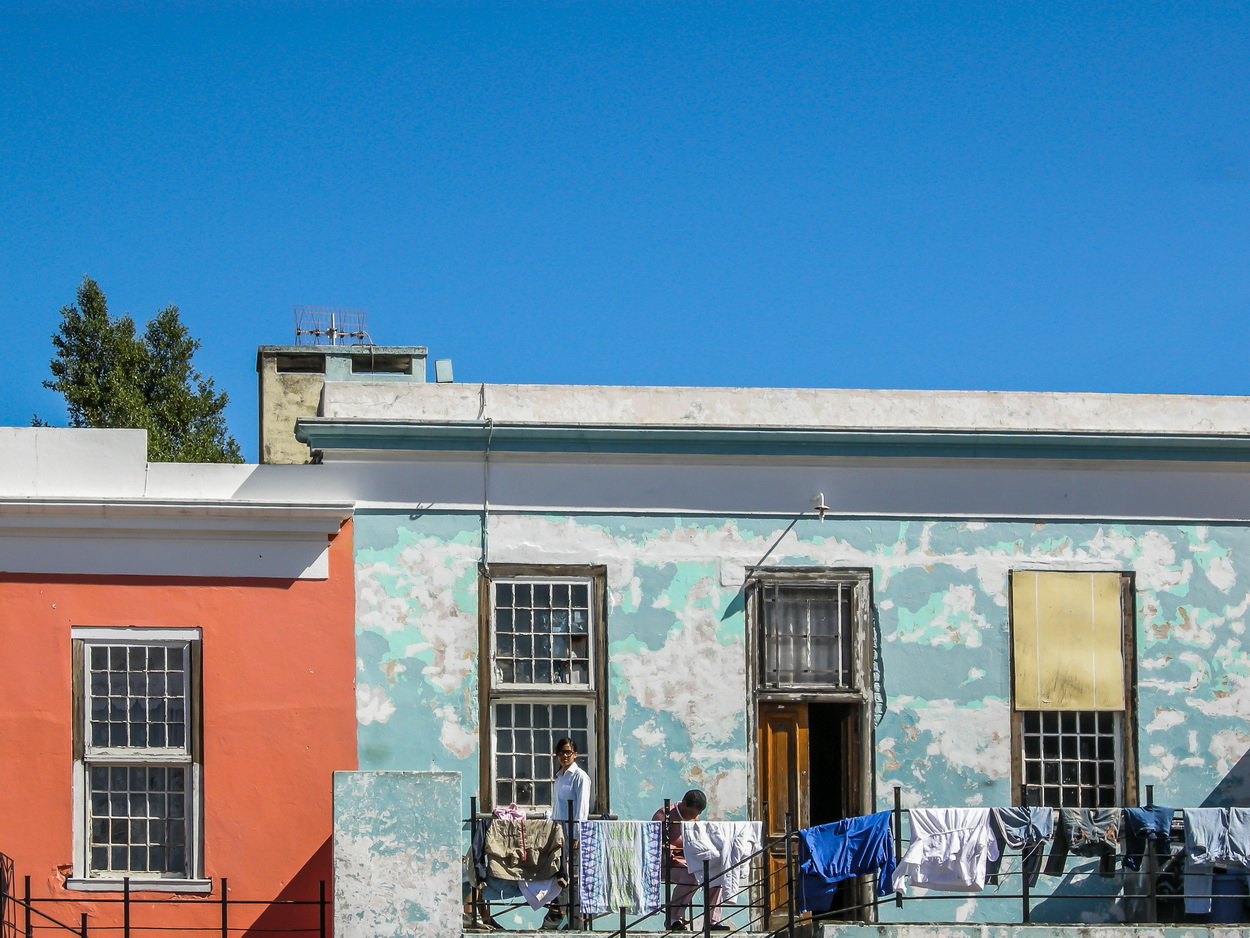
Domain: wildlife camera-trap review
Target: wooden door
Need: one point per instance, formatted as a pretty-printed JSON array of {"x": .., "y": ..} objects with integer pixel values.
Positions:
[{"x": 783, "y": 775}]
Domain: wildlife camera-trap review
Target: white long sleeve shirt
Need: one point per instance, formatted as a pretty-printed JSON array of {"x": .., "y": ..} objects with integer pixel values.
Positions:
[
  {"x": 949, "y": 849},
  {"x": 571, "y": 784}
]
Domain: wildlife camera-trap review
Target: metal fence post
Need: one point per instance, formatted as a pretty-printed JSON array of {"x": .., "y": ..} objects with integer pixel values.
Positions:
[
  {"x": 668, "y": 864},
  {"x": 126, "y": 906},
  {"x": 898, "y": 837},
  {"x": 707, "y": 898},
  {"x": 30, "y": 931},
  {"x": 791, "y": 878},
  {"x": 225, "y": 907},
  {"x": 570, "y": 873},
  {"x": 1024, "y": 876},
  {"x": 321, "y": 909},
  {"x": 83, "y": 924},
  {"x": 475, "y": 891}
]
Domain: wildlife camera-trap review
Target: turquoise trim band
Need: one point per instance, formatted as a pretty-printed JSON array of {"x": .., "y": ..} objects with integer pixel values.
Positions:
[{"x": 329, "y": 434}]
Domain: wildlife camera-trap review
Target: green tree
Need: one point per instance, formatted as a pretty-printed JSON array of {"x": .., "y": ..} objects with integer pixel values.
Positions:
[{"x": 112, "y": 377}]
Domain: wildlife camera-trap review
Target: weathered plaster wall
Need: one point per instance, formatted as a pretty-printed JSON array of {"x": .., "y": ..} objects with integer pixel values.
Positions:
[
  {"x": 396, "y": 863},
  {"x": 678, "y": 695},
  {"x": 677, "y": 701}
]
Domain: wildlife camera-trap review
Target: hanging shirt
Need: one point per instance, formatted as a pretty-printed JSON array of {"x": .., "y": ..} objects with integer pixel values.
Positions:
[
  {"x": 830, "y": 853},
  {"x": 1025, "y": 829},
  {"x": 949, "y": 850},
  {"x": 724, "y": 845}
]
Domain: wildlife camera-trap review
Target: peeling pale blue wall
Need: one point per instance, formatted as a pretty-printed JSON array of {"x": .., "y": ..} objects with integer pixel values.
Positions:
[
  {"x": 396, "y": 854},
  {"x": 678, "y": 695},
  {"x": 678, "y": 691}
]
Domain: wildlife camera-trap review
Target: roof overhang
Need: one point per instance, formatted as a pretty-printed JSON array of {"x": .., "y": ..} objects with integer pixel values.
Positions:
[{"x": 371, "y": 435}]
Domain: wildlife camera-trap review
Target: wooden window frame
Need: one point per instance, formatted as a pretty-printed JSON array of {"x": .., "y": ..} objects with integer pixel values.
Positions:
[
  {"x": 1126, "y": 729},
  {"x": 596, "y": 762},
  {"x": 861, "y": 642}
]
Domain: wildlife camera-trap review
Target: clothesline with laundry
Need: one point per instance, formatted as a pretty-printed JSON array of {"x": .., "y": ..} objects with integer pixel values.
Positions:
[
  {"x": 616, "y": 866},
  {"x": 961, "y": 849}
]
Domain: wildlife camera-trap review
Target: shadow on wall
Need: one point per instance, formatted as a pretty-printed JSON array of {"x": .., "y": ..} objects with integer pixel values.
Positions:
[
  {"x": 303, "y": 888},
  {"x": 1234, "y": 789}
]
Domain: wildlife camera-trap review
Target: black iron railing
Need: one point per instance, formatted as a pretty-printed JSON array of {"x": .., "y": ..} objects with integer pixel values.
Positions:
[
  {"x": 27, "y": 915},
  {"x": 1151, "y": 895}
]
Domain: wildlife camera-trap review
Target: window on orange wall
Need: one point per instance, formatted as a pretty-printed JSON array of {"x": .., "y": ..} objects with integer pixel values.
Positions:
[
  {"x": 543, "y": 680},
  {"x": 137, "y": 764}
]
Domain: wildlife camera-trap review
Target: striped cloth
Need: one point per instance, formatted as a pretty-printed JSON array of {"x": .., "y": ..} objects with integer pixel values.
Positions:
[{"x": 620, "y": 866}]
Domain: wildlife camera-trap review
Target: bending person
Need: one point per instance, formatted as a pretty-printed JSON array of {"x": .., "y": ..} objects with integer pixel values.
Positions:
[{"x": 684, "y": 883}]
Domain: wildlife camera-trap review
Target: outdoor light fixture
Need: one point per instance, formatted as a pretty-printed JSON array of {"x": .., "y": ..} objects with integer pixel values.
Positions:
[{"x": 818, "y": 501}]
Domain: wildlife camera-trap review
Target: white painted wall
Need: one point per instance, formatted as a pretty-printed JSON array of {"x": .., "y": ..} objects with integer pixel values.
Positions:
[
  {"x": 78, "y": 501},
  {"x": 824, "y": 408}
]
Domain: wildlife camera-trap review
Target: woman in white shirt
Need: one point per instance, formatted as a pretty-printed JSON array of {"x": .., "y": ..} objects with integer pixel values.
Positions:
[{"x": 572, "y": 786}]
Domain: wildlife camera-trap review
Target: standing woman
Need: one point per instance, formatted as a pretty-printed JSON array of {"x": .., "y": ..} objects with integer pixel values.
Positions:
[{"x": 572, "y": 784}]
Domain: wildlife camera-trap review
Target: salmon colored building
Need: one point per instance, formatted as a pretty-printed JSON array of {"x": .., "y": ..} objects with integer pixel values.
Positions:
[{"x": 176, "y": 689}]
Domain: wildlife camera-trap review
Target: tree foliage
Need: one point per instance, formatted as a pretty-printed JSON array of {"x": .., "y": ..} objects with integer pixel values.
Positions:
[{"x": 111, "y": 376}]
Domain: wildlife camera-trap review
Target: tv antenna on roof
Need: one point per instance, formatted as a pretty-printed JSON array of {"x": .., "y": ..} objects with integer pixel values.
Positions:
[{"x": 330, "y": 325}]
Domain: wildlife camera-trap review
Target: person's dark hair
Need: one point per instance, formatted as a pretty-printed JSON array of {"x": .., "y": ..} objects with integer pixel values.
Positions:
[
  {"x": 695, "y": 800},
  {"x": 562, "y": 742}
]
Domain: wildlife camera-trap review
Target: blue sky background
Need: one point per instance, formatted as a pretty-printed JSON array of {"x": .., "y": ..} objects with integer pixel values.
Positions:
[{"x": 1004, "y": 195}]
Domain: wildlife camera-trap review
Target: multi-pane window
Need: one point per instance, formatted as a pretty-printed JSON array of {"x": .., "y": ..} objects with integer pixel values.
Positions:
[
  {"x": 542, "y": 682},
  {"x": 1071, "y": 687},
  {"x": 137, "y": 757},
  {"x": 1071, "y": 758},
  {"x": 542, "y": 633},
  {"x": 525, "y": 737},
  {"x": 807, "y": 633}
]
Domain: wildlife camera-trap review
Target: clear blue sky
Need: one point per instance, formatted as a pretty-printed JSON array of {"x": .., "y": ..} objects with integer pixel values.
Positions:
[{"x": 918, "y": 195}]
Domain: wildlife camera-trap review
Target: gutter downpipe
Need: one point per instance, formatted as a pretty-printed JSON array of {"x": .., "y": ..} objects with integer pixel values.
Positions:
[{"x": 489, "y": 423}]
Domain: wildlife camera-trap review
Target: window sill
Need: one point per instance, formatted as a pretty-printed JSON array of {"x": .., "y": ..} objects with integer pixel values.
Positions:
[{"x": 201, "y": 886}]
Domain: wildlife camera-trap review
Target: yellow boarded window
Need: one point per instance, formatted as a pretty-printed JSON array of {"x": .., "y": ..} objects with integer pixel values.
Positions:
[{"x": 1066, "y": 638}]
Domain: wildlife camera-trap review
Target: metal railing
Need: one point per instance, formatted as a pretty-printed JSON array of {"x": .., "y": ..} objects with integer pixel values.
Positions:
[
  {"x": 1152, "y": 894},
  {"x": 746, "y": 917},
  {"x": 21, "y": 916}
]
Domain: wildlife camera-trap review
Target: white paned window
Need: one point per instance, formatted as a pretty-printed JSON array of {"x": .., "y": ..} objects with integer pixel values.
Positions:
[
  {"x": 137, "y": 772},
  {"x": 544, "y": 637}
]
